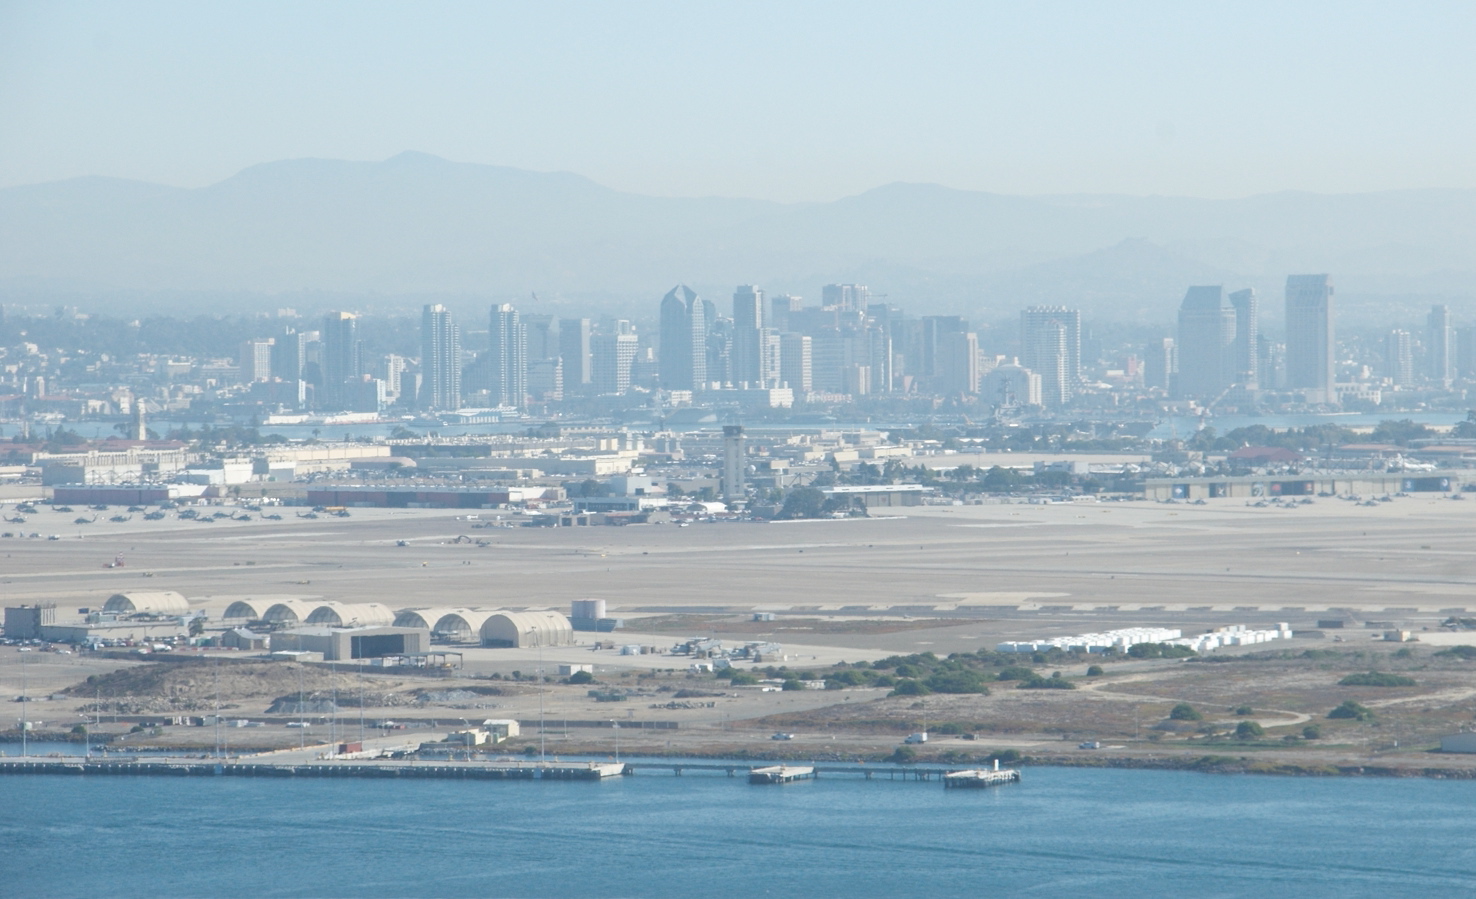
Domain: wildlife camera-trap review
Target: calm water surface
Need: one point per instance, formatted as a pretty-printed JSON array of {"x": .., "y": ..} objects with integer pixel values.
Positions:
[{"x": 1062, "y": 832}]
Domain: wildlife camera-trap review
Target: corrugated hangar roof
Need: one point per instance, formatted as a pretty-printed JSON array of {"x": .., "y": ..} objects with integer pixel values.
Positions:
[
  {"x": 422, "y": 617},
  {"x": 345, "y": 614},
  {"x": 156, "y": 602},
  {"x": 250, "y": 609},
  {"x": 526, "y": 629}
]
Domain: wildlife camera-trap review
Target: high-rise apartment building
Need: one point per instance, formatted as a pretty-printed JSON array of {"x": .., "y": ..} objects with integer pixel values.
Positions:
[
  {"x": 543, "y": 337},
  {"x": 1310, "y": 337},
  {"x": 342, "y": 365},
  {"x": 780, "y": 308},
  {"x": 850, "y": 297},
  {"x": 795, "y": 363},
  {"x": 1399, "y": 358},
  {"x": 1440, "y": 346},
  {"x": 935, "y": 329},
  {"x": 289, "y": 355},
  {"x": 1161, "y": 364},
  {"x": 1206, "y": 344},
  {"x": 1050, "y": 346},
  {"x": 507, "y": 357},
  {"x": 394, "y": 377},
  {"x": 440, "y": 359},
  {"x": 958, "y": 364},
  {"x": 613, "y": 353},
  {"x": 684, "y": 351},
  {"x": 574, "y": 350},
  {"x": 256, "y": 359},
  {"x": 546, "y": 380},
  {"x": 1246, "y": 357}
]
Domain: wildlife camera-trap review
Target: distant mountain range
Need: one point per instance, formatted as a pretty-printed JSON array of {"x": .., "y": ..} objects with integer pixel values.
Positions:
[{"x": 417, "y": 226}]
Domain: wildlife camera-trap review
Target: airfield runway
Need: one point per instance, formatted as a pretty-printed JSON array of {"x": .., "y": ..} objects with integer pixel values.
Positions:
[{"x": 1021, "y": 570}]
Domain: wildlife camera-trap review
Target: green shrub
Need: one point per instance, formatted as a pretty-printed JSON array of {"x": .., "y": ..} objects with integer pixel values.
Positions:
[
  {"x": 1464, "y": 652},
  {"x": 1159, "y": 651},
  {"x": 957, "y": 682},
  {"x": 1054, "y": 682},
  {"x": 1095, "y": 671},
  {"x": 1312, "y": 732},
  {"x": 1244, "y": 710},
  {"x": 1351, "y": 709},
  {"x": 1184, "y": 712},
  {"x": 1376, "y": 679},
  {"x": 910, "y": 687},
  {"x": 1249, "y": 730}
]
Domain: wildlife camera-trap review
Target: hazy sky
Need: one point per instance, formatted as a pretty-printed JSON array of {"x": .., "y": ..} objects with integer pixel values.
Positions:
[{"x": 787, "y": 101}]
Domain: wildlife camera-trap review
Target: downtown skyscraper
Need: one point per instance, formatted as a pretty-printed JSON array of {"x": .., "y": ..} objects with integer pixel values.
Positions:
[
  {"x": 748, "y": 356},
  {"x": 342, "y": 361},
  {"x": 507, "y": 358},
  {"x": 684, "y": 327},
  {"x": 1310, "y": 337},
  {"x": 440, "y": 359},
  {"x": 1050, "y": 346},
  {"x": 1206, "y": 344}
]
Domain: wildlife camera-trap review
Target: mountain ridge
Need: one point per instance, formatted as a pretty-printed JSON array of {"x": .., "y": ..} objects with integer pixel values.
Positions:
[{"x": 417, "y": 223}]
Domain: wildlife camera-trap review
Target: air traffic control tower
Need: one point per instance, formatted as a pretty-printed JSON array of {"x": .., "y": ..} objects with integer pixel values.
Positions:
[{"x": 734, "y": 463}]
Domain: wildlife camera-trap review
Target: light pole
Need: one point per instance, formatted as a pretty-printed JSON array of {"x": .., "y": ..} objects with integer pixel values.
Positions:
[
  {"x": 25, "y": 716},
  {"x": 542, "y": 755},
  {"x": 616, "y": 725}
]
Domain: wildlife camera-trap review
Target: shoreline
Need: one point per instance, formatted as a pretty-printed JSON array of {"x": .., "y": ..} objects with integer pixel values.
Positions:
[{"x": 1208, "y": 763}]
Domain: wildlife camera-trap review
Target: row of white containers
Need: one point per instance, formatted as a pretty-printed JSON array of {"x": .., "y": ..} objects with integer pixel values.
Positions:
[{"x": 1230, "y": 635}]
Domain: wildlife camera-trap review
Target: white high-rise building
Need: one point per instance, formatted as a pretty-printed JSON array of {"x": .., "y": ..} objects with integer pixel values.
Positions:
[
  {"x": 1050, "y": 346},
  {"x": 1399, "y": 358},
  {"x": 256, "y": 359},
  {"x": 440, "y": 359},
  {"x": 507, "y": 358}
]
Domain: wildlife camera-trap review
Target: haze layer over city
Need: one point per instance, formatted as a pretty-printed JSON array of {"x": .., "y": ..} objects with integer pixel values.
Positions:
[{"x": 827, "y": 397}]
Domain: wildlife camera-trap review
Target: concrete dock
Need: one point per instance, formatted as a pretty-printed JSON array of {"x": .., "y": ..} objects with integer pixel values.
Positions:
[
  {"x": 980, "y": 777},
  {"x": 780, "y": 774}
]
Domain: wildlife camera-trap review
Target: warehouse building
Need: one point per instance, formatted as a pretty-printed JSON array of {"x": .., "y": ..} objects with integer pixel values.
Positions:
[
  {"x": 420, "y": 498},
  {"x": 1308, "y": 484},
  {"x": 523, "y": 630},
  {"x": 345, "y": 644}
]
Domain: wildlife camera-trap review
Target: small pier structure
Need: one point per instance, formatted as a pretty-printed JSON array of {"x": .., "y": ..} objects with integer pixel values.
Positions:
[
  {"x": 980, "y": 777},
  {"x": 780, "y": 774}
]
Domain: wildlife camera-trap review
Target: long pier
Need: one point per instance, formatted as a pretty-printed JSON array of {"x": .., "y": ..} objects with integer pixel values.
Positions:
[
  {"x": 467, "y": 770},
  {"x": 407, "y": 770}
]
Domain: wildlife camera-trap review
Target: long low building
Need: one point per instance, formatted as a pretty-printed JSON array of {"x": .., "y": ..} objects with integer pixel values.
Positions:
[
  {"x": 1269, "y": 486},
  {"x": 344, "y": 644},
  {"x": 420, "y": 497}
]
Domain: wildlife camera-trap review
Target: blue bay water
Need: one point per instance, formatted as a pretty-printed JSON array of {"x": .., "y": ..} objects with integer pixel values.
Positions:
[{"x": 1102, "y": 833}]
